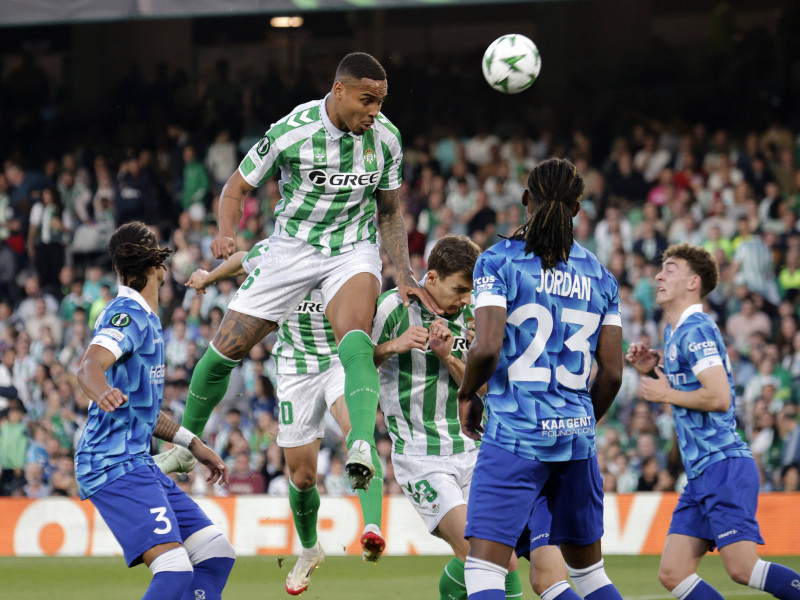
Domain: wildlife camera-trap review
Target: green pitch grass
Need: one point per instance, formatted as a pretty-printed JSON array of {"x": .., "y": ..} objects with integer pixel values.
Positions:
[{"x": 339, "y": 578}]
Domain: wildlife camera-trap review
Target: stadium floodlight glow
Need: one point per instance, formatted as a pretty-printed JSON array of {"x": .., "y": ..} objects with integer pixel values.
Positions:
[{"x": 283, "y": 22}]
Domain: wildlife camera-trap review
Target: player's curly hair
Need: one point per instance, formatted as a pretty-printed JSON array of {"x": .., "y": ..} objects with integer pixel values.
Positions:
[
  {"x": 454, "y": 254},
  {"x": 360, "y": 65},
  {"x": 554, "y": 188},
  {"x": 134, "y": 250},
  {"x": 700, "y": 261}
]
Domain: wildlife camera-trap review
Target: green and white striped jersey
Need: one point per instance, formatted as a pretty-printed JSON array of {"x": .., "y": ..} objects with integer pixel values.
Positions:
[
  {"x": 306, "y": 343},
  {"x": 418, "y": 395},
  {"x": 328, "y": 177}
]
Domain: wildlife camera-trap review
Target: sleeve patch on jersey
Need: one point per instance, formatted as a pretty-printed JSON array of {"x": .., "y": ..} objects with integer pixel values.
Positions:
[
  {"x": 121, "y": 320},
  {"x": 263, "y": 146},
  {"x": 114, "y": 333},
  {"x": 483, "y": 284}
]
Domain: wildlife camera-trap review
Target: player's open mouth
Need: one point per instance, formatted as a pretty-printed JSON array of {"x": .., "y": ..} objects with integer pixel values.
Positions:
[{"x": 367, "y": 125}]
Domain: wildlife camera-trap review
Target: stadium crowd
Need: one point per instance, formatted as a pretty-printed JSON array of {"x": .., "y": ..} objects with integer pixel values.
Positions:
[{"x": 737, "y": 193}]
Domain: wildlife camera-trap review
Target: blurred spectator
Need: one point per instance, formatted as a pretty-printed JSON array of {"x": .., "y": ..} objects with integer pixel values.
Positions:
[
  {"x": 13, "y": 445},
  {"x": 243, "y": 479}
]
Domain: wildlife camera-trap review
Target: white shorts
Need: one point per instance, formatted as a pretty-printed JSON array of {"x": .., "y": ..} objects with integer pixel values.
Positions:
[
  {"x": 435, "y": 484},
  {"x": 303, "y": 400},
  {"x": 291, "y": 268}
]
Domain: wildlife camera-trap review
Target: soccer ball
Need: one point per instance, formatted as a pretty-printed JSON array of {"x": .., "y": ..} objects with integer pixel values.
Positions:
[{"x": 511, "y": 63}]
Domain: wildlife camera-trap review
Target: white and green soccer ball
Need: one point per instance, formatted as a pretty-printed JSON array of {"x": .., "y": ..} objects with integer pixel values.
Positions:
[{"x": 511, "y": 63}]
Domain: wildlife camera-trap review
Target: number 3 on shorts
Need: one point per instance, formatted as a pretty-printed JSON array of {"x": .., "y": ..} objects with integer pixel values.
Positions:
[
  {"x": 287, "y": 416},
  {"x": 160, "y": 512},
  {"x": 423, "y": 491}
]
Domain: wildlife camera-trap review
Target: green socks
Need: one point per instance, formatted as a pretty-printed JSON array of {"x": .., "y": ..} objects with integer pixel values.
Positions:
[
  {"x": 513, "y": 585},
  {"x": 361, "y": 385},
  {"x": 372, "y": 499},
  {"x": 209, "y": 384},
  {"x": 451, "y": 584},
  {"x": 305, "y": 507}
]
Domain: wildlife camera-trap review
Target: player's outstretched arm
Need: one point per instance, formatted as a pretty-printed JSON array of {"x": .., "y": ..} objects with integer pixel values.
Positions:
[
  {"x": 230, "y": 213},
  {"x": 609, "y": 369},
  {"x": 168, "y": 430},
  {"x": 394, "y": 238},
  {"x": 231, "y": 267},
  {"x": 92, "y": 378}
]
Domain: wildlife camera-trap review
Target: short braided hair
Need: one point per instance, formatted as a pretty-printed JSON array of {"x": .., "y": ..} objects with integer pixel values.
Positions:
[
  {"x": 555, "y": 187},
  {"x": 134, "y": 250}
]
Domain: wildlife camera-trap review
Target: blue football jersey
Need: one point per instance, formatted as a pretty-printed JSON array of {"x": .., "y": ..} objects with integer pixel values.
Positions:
[
  {"x": 115, "y": 443},
  {"x": 704, "y": 437},
  {"x": 538, "y": 398}
]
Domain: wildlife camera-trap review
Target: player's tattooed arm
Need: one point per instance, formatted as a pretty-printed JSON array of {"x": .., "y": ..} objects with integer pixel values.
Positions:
[
  {"x": 239, "y": 332},
  {"x": 166, "y": 428},
  {"x": 394, "y": 238}
]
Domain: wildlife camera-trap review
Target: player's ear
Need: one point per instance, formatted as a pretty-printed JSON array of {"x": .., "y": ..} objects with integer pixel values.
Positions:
[
  {"x": 431, "y": 276},
  {"x": 576, "y": 209},
  {"x": 526, "y": 195}
]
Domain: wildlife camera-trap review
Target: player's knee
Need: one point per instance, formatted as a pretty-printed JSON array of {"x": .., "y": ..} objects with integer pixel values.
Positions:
[
  {"x": 206, "y": 543},
  {"x": 740, "y": 573},
  {"x": 669, "y": 577},
  {"x": 303, "y": 478}
]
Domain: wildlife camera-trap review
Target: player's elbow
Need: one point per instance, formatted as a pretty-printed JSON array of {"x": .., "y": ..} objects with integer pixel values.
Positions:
[{"x": 720, "y": 403}]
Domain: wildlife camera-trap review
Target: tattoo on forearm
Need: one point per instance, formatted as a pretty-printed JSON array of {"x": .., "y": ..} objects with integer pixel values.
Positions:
[
  {"x": 239, "y": 332},
  {"x": 166, "y": 428},
  {"x": 393, "y": 232}
]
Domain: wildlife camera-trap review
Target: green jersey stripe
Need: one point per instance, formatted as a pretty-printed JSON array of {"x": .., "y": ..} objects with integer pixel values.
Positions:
[{"x": 429, "y": 394}]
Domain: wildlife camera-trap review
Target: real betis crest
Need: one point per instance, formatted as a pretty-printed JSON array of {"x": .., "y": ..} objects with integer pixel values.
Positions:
[{"x": 369, "y": 156}]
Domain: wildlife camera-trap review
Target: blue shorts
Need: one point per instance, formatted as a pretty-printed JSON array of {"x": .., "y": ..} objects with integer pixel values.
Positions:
[
  {"x": 537, "y": 531},
  {"x": 144, "y": 508},
  {"x": 506, "y": 490},
  {"x": 720, "y": 504}
]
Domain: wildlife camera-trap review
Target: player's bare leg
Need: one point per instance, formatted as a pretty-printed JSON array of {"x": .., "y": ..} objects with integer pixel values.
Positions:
[
  {"x": 372, "y": 540},
  {"x": 744, "y": 566},
  {"x": 304, "y": 501},
  {"x": 350, "y": 313},
  {"x": 680, "y": 558},
  {"x": 548, "y": 574}
]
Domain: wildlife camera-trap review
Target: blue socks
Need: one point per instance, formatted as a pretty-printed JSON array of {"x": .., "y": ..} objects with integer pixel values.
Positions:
[{"x": 775, "y": 579}]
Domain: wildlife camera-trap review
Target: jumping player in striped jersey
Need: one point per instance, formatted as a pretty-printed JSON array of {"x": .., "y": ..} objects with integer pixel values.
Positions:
[
  {"x": 340, "y": 163},
  {"x": 421, "y": 364},
  {"x": 545, "y": 309},
  {"x": 718, "y": 505},
  {"x": 122, "y": 372},
  {"x": 310, "y": 380}
]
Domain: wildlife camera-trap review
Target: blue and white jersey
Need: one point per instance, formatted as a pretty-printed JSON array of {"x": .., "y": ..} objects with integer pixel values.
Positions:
[
  {"x": 704, "y": 437},
  {"x": 538, "y": 398},
  {"x": 115, "y": 443}
]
